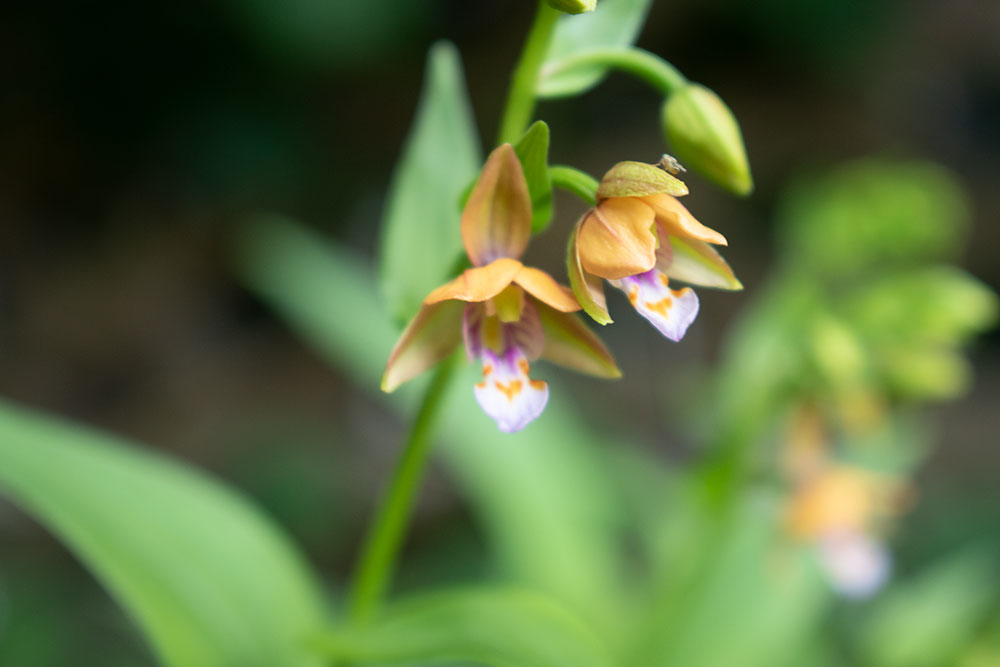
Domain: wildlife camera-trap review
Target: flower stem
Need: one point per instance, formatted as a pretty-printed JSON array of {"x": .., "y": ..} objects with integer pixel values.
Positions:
[
  {"x": 582, "y": 184},
  {"x": 380, "y": 552},
  {"x": 385, "y": 536},
  {"x": 521, "y": 94},
  {"x": 647, "y": 66}
]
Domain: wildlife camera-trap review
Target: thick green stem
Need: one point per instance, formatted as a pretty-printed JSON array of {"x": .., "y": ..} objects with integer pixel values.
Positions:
[
  {"x": 647, "y": 66},
  {"x": 582, "y": 184},
  {"x": 378, "y": 557},
  {"x": 521, "y": 94},
  {"x": 385, "y": 536}
]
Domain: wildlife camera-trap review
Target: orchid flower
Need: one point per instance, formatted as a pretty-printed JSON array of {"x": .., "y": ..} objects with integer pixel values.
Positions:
[
  {"x": 638, "y": 237},
  {"x": 838, "y": 508},
  {"x": 508, "y": 314}
]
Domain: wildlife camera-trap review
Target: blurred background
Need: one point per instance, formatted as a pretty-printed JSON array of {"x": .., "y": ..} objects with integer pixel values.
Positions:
[{"x": 137, "y": 138}]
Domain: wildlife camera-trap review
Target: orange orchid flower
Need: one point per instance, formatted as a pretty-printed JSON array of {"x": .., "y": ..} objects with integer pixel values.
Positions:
[
  {"x": 638, "y": 237},
  {"x": 840, "y": 508},
  {"x": 508, "y": 314}
]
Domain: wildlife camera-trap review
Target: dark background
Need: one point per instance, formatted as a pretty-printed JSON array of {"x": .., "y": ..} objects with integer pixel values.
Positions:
[{"x": 136, "y": 137}]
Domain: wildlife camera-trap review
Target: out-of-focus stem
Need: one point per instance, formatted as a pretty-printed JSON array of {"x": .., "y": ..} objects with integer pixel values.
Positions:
[
  {"x": 381, "y": 550},
  {"x": 582, "y": 184},
  {"x": 649, "y": 67},
  {"x": 521, "y": 94}
]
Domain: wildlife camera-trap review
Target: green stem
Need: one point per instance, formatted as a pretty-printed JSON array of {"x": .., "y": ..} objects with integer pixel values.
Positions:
[
  {"x": 582, "y": 184},
  {"x": 377, "y": 561},
  {"x": 521, "y": 94},
  {"x": 647, "y": 66},
  {"x": 385, "y": 536}
]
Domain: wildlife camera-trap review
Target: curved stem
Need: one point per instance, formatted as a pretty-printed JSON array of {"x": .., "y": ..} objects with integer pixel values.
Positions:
[
  {"x": 521, "y": 94},
  {"x": 580, "y": 183},
  {"x": 385, "y": 536},
  {"x": 647, "y": 66}
]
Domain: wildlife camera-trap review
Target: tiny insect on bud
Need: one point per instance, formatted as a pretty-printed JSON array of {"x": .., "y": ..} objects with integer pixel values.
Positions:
[{"x": 669, "y": 164}]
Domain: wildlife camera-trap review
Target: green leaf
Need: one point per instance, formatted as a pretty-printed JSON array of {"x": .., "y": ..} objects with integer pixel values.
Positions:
[
  {"x": 763, "y": 594},
  {"x": 926, "y": 621},
  {"x": 533, "y": 152},
  {"x": 500, "y": 627},
  {"x": 542, "y": 495},
  {"x": 209, "y": 579},
  {"x": 614, "y": 23},
  {"x": 421, "y": 237}
]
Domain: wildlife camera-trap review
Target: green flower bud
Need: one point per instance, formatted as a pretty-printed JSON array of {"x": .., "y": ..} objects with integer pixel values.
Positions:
[
  {"x": 705, "y": 136},
  {"x": 638, "y": 179},
  {"x": 573, "y": 6}
]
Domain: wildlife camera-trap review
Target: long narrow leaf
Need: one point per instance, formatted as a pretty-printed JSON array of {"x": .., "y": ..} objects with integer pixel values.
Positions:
[
  {"x": 209, "y": 579},
  {"x": 420, "y": 237},
  {"x": 500, "y": 627}
]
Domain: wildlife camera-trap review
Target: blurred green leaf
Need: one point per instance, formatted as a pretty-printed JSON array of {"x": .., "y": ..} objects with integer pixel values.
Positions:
[
  {"x": 614, "y": 23},
  {"x": 500, "y": 627},
  {"x": 762, "y": 594},
  {"x": 926, "y": 621},
  {"x": 210, "y": 580},
  {"x": 543, "y": 495},
  {"x": 873, "y": 214},
  {"x": 533, "y": 152},
  {"x": 927, "y": 372},
  {"x": 421, "y": 238}
]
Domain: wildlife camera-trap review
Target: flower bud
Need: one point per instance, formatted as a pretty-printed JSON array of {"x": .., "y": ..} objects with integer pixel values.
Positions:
[
  {"x": 705, "y": 136},
  {"x": 638, "y": 179},
  {"x": 573, "y": 6}
]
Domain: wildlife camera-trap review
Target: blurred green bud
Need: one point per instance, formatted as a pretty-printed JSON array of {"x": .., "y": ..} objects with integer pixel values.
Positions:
[
  {"x": 704, "y": 135},
  {"x": 838, "y": 352},
  {"x": 926, "y": 372},
  {"x": 573, "y": 6},
  {"x": 638, "y": 179}
]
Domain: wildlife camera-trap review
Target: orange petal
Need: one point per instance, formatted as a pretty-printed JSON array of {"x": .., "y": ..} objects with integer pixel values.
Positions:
[
  {"x": 570, "y": 343},
  {"x": 496, "y": 221},
  {"x": 588, "y": 288},
  {"x": 479, "y": 283},
  {"x": 675, "y": 219},
  {"x": 616, "y": 239},
  {"x": 429, "y": 338},
  {"x": 544, "y": 287}
]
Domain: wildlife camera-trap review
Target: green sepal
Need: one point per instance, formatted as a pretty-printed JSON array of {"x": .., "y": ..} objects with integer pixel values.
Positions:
[
  {"x": 533, "y": 152},
  {"x": 638, "y": 179},
  {"x": 699, "y": 263},
  {"x": 570, "y": 343}
]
